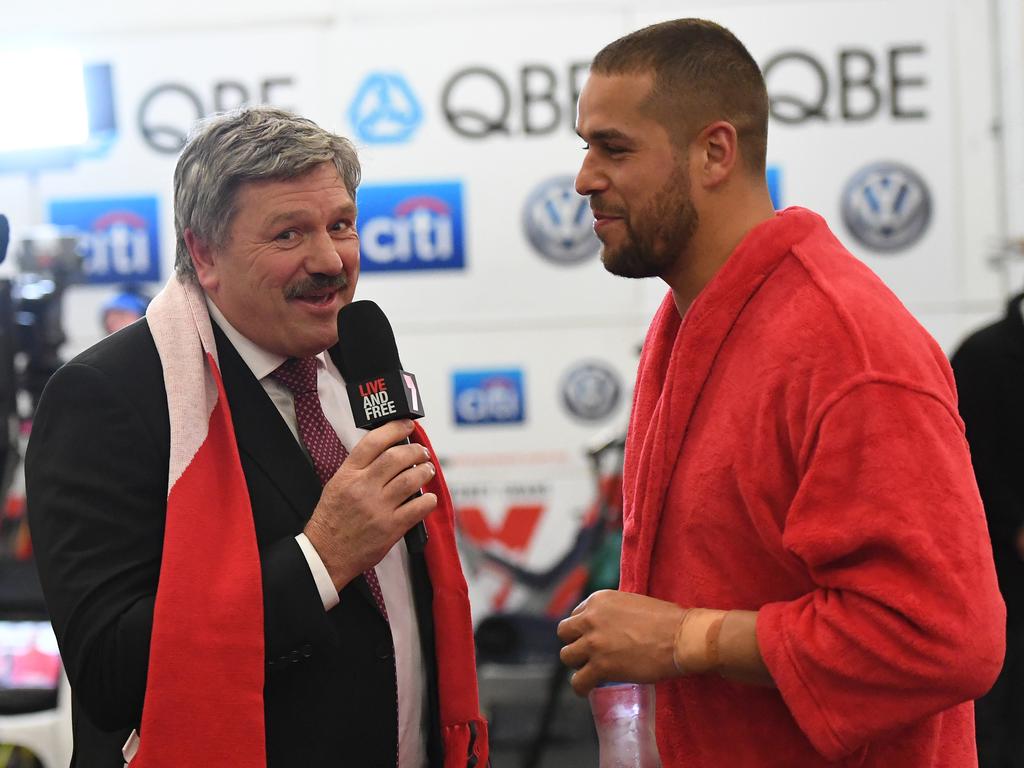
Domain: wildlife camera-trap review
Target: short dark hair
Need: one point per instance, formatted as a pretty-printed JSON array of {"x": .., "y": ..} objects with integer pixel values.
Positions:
[{"x": 702, "y": 73}]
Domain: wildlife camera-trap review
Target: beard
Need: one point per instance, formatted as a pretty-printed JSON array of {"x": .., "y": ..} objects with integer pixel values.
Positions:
[{"x": 656, "y": 236}]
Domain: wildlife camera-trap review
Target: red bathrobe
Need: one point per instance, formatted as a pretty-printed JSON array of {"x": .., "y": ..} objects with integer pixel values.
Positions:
[{"x": 795, "y": 449}]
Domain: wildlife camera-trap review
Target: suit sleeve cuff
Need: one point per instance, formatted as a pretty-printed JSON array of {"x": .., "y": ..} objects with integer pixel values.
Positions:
[{"x": 328, "y": 594}]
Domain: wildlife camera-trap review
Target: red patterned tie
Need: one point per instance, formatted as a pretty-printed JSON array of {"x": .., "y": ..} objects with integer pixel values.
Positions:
[{"x": 319, "y": 437}]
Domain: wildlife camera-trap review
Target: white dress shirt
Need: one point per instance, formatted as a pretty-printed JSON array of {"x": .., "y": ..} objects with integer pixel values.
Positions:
[{"x": 392, "y": 571}]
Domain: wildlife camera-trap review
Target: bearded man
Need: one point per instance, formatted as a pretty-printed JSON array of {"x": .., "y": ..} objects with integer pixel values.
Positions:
[{"x": 806, "y": 573}]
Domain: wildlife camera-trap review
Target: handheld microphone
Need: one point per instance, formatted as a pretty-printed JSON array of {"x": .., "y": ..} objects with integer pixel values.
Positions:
[
  {"x": 379, "y": 390},
  {"x": 5, "y": 237}
]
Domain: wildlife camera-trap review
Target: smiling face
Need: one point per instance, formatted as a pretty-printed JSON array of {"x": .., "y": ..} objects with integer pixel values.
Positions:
[
  {"x": 290, "y": 263},
  {"x": 635, "y": 176}
]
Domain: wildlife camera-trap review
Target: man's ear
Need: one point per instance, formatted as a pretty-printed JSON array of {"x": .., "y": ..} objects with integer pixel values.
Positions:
[
  {"x": 719, "y": 145},
  {"x": 204, "y": 260}
]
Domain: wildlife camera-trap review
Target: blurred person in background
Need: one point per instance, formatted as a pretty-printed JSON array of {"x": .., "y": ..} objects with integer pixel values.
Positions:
[
  {"x": 221, "y": 549},
  {"x": 989, "y": 369},
  {"x": 806, "y": 573},
  {"x": 123, "y": 309}
]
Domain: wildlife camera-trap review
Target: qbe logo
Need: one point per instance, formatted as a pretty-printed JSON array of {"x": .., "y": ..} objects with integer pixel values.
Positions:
[
  {"x": 385, "y": 110},
  {"x": 411, "y": 227},
  {"x": 489, "y": 397},
  {"x": 118, "y": 237}
]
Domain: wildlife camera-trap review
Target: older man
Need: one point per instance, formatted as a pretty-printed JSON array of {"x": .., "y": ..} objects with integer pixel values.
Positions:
[{"x": 220, "y": 547}]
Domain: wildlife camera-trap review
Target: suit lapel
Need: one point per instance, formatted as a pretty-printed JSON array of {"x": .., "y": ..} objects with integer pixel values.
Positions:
[{"x": 262, "y": 434}]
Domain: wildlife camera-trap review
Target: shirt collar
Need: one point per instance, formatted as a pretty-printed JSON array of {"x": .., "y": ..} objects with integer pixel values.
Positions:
[{"x": 261, "y": 362}]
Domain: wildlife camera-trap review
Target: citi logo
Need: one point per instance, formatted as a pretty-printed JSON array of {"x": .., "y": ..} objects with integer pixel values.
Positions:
[
  {"x": 118, "y": 237},
  {"x": 411, "y": 227},
  {"x": 119, "y": 241},
  {"x": 489, "y": 397}
]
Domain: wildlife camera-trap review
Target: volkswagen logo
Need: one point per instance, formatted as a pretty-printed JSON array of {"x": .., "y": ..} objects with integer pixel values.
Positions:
[
  {"x": 886, "y": 206},
  {"x": 590, "y": 391},
  {"x": 385, "y": 110},
  {"x": 558, "y": 222}
]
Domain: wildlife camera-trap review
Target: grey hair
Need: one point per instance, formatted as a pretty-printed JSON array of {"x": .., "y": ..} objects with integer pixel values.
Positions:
[{"x": 257, "y": 143}]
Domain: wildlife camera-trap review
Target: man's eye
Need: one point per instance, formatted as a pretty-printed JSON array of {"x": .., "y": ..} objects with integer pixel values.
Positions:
[
  {"x": 287, "y": 236},
  {"x": 341, "y": 226}
]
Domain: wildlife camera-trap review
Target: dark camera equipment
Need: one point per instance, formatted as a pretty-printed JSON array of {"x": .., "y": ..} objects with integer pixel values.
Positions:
[
  {"x": 31, "y": 328},
  {"x": 8, "y": 389}
]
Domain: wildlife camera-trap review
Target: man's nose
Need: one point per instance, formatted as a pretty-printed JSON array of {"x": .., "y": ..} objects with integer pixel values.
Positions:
[
  {"x": 590, "y": 179},
  {"x": 323, "y": 257}
]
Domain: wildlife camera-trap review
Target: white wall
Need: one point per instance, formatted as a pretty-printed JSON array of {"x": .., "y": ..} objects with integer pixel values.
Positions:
[{"x": 510, "y": 308}]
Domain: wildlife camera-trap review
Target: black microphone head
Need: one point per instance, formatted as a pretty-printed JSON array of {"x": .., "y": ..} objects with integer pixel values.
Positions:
[
  {"x": 5, "y": 236},
  {"x": 378, "y": 389},
  {"x": 366, "y": 341}
]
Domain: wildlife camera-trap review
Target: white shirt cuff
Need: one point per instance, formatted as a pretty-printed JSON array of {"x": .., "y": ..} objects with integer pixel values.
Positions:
[{"x": 328, "y": 594}]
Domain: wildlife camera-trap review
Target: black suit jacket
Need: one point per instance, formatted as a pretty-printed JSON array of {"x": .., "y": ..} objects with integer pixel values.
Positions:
[
  {"x": 989, "y": 370},
  {"x": 96, "y": 473}
]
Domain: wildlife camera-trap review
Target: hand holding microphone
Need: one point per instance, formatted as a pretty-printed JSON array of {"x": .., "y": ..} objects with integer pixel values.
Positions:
[
  {"x": 379, "y": 391},
  {"x": 375, "y": 496}
]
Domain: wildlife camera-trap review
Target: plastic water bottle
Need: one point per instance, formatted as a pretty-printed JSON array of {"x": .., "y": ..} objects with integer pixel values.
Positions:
[{"x": 624, "y": 718}]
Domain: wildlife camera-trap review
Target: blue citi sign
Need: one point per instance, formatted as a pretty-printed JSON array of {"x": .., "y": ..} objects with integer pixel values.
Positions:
[
  {"x": 405, "y": 227},
  {"x": 118, "y": 237},
  {"x": 489, "y": 397}
]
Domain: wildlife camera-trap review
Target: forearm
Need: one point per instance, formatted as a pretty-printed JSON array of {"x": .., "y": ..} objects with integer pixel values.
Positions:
[
  {"x": 724, "y": 642},
  {"x": 624, "y": 636}
]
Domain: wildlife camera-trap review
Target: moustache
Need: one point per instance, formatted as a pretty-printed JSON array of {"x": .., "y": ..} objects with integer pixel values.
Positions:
[
  {"x": 598, "y": 205},
  {"x": 316, "y": 284}
]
